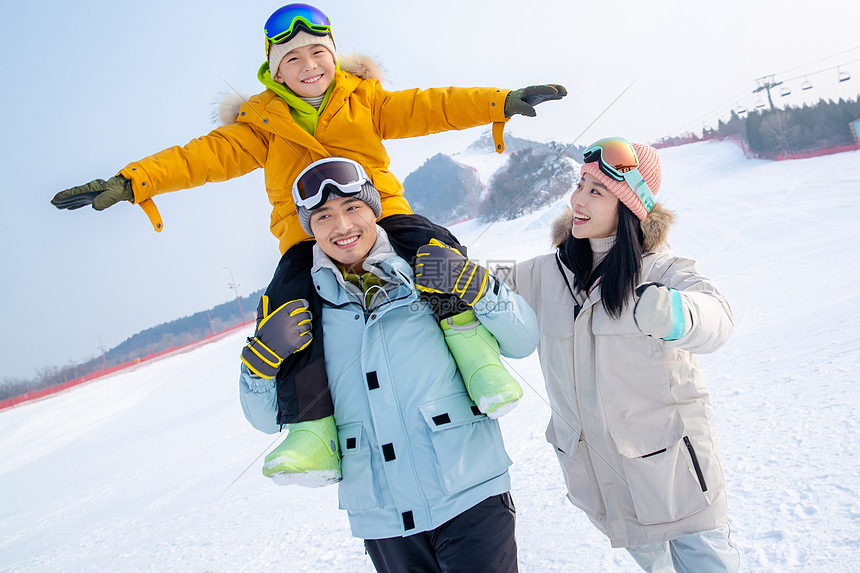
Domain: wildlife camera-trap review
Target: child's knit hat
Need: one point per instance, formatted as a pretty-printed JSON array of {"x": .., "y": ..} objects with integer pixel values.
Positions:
[
  {"x": 649, "y": 168},
  {"x": 302, "y": 38}
]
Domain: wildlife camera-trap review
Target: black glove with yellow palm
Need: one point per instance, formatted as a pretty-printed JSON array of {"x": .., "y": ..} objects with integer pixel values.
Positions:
[
  {"x": 443, "y": 269},
  {"x": 279, "y": 334}
]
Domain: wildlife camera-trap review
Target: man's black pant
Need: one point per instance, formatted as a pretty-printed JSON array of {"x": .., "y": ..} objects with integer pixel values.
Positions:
[{"x": 479, "y": 540}]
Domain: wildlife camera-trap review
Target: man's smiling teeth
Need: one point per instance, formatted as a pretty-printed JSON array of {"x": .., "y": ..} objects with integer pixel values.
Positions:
[{"x": 345, "y": 242}]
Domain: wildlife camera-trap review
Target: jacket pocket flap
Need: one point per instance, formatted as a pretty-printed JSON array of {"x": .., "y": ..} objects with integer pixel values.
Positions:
[
  {"x": 564, "y": 441},
  {"x": 643, "y": 437},
  {"x": 349, "y": 438},
  {"x": 450, "y": 412}
]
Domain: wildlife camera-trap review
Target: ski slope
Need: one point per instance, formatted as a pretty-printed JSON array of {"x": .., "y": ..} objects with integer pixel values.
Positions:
[{"x": 146, "y": 470}]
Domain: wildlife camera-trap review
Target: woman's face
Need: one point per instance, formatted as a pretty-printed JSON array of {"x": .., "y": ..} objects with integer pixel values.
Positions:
[{"x": 595, "y": 210}]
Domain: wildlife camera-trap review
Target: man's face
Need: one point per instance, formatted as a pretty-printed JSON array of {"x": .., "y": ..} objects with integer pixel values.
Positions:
[{"x": 345, "y": 230}]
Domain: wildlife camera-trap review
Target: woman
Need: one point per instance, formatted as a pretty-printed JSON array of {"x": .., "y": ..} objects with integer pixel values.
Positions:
[{"x": 621, "y": 318}]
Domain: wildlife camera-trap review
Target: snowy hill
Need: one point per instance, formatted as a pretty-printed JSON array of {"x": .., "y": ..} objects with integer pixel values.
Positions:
[
  {"x": 145, "y": 470},
  {"x": 480, "y": 183}
]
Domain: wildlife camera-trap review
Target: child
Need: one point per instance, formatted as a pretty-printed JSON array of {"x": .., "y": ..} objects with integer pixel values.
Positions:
[
  {"x": 621, "y": 319},
  {"x": 315, "y": 107}
]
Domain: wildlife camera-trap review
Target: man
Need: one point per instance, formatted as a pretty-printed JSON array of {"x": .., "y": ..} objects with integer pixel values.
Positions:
[{"x": 425, "y": 479}]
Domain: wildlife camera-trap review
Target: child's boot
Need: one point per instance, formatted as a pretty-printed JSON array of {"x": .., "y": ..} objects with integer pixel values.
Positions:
[
  {"x": 308, "y": 456},
  {"x": 476, "y": 352}
]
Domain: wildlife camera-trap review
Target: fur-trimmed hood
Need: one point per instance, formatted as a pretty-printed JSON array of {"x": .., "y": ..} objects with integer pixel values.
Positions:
[
  {"x": 359, "y": 65},
  {"x": 655, "y": 227}
]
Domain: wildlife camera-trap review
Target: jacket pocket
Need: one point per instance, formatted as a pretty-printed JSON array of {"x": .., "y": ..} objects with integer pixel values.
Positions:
[
  {"x": 579, "y": 478},
  {"x": 468, "y": 445},
  {"x": 666, "y": 484},
  {"x": 357, "y": 491}
]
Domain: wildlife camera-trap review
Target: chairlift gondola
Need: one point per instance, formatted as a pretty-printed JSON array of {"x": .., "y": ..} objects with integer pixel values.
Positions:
[
  {"x": 741, "y": 110},
  {"x": 842, "y": 76},
  {"x": 806, "y": 85},
  {"x": 784, "y": 91},
  {"x": 760, "y": 105}
]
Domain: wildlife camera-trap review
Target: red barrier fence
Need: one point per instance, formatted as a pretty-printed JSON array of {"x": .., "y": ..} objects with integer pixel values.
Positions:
[
  {"x": 782, "y": 156},
  {"x": 779, "y": 156},
  {"x": 37, "y": 394}
]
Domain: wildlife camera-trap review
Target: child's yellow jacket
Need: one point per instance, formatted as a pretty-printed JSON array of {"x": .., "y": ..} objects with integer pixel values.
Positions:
[{"x": 360, "y": 114}]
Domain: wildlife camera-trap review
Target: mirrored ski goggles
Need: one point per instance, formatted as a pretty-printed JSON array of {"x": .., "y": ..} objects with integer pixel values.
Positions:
[
  {"x": 616, "y": 157},
  {"x": 309, "y": 190},
  {"x": 286, "y": 22}
]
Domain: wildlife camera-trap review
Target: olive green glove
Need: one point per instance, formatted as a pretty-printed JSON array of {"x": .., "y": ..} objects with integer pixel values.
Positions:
[
  {"x": 523, "y": 100},
  {"x": 100, "y": 194}
]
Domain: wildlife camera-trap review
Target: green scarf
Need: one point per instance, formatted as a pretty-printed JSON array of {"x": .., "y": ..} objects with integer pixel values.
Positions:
[
  {"x": 365, "y": 282},
  {"x": 303, "y": 113}
]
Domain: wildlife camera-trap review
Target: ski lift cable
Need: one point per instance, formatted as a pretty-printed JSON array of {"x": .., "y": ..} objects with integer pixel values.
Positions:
[
  {"x": 818, "y": 60},
  {"x": 822, "y": 70},
  {"x": 719, "y": 110},
  {"x": 715, "y": 112}
]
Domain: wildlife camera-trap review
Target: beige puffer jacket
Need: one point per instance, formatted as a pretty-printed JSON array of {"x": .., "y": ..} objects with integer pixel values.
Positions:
[{"x": 632, "y": 422}]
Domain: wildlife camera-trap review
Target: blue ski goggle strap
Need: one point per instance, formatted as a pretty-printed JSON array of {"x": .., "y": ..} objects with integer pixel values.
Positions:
[
  {"x": 288, "y": 20},
  {"x": 309, "y": 190},
  {"x": 616, "y": 157}
]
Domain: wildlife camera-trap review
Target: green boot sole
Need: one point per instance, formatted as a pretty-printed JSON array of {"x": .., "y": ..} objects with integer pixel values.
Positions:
[{"x": 308, "y": 456}]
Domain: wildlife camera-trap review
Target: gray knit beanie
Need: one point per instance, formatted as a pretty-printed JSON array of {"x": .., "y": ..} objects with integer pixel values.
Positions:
[
  {"x": 368, "y": 194},
  {"x": 278, "y": 51}
]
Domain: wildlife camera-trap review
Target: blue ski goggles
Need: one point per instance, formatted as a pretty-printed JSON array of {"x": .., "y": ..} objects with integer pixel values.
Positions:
[
  {"x": 616, "y": 157},
  {"x": 288, "y": 20},
  {"x": 310, "y": 188}
]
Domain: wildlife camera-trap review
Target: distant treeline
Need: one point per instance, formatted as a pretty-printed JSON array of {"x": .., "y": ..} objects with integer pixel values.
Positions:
[
  {"x": 534, "y": 175},
  {"x": 792, "y": 130},
  {"x": 531, "y": 178},
  {"x": 171, "y": 334}
]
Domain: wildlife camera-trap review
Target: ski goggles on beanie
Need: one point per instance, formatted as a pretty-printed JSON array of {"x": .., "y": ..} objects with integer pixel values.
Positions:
[
  {"x": 310, "y": 189},
  {"x": 616, "y": 157},
  {"x": 288, "y": 20}
]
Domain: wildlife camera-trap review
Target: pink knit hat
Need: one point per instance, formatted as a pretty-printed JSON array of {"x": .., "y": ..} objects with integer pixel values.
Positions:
[{"x": 649, "y": 167}]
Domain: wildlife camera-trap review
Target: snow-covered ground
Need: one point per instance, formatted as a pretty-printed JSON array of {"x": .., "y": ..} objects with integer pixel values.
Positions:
[{"x": 156, "y": 469}]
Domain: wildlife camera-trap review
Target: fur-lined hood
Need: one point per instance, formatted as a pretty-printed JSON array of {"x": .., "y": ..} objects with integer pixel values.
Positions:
[
  {"x": 655, "y": 227},
  {"x": 359, "y": 65}
]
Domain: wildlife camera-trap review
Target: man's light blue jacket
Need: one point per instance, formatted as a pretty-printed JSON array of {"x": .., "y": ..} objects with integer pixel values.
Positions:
[{"x": 416, "y": 451}]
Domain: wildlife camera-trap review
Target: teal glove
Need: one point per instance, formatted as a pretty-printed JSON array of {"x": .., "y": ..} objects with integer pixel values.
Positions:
[
  {"x": 523, "y": 100},
  {"x": 660, "y": 312},
  {"x": 100, "y": 194}
]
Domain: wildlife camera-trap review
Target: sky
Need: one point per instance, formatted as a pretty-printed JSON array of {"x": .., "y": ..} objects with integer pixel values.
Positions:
[
  {"x": 93, "y": 85},
  {"x": 156, "y": 469}
]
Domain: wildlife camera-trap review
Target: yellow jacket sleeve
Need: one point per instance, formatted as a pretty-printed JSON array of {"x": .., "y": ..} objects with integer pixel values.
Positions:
[{"x": 225, "y": 153}]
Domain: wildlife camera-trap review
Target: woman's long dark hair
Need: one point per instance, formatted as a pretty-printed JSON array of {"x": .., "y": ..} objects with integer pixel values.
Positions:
[{"x": 619, "y": 270}]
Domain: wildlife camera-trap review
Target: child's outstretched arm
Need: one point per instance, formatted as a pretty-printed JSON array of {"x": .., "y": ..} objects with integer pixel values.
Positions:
[
  {"x": 227, "y": 152},
  {"x": 413, "y": 113}
]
